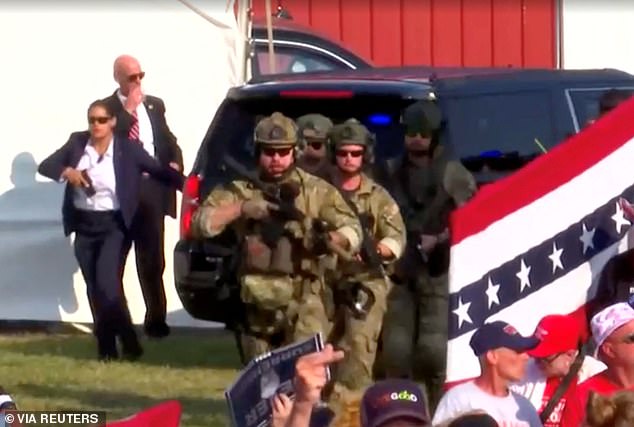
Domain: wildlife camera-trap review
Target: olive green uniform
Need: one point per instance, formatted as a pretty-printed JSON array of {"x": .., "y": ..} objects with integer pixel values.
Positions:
[
  {"x": 416, "y": 323},
  {"x": 359, "y": 334},
  {"x": 282, "y": 284}
]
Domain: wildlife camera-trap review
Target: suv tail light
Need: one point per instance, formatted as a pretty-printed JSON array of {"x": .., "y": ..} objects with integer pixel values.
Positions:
[{"x": 189, "y": 204}]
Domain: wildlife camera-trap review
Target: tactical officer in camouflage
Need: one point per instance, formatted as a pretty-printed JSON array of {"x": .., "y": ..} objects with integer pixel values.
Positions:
[
  {"x": 313, "y": 130},
  {"x": 427, "y": 186},
  {"x": 362, "y": 287},
  {"x": 280, "y": 272}
]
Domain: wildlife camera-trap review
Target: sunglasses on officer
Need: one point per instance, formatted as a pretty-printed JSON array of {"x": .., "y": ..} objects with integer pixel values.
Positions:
[
  {"x": 102, "y": 120},
  {"x": 315, "y": 145},
  {"x": 417, "y": 128},
  {"x": 137, "y": 76},
  {"x": 280, "y": 151},
  {"x": 345, "y": 153}
]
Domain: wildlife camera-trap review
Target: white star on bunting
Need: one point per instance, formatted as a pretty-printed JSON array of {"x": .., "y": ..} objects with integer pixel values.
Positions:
[
  {"x": 619, "y": 218},
  {"x": 492, "y": 293},
  {"x": 462, "y": 312},
  {"x": 523, "y": 276},
  {"x": 555, "y": 257}
]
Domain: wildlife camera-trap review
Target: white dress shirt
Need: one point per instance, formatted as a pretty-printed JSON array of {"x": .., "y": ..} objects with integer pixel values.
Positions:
[
  {"x": 146, "y": 136},
  {"x": 101, "y": 172}
]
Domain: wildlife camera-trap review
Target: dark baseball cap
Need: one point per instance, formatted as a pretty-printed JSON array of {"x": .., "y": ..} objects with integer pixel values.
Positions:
[
  {"x": 500, "y": 334},
  {"x": 474, "y": 420},
  {"x": 393, "y": 399}
]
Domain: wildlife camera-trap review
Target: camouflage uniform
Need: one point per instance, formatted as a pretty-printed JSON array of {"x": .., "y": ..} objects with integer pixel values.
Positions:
[
  {"x": 416, "y": 324},
  {"x": 360, "y": 334},
  {"x": 281, "y": 304},
  {"x": 314, "y": 128}
]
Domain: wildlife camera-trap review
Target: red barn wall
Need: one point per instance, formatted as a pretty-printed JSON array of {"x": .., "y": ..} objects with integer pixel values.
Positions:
[{"x": 519, "y": 33}]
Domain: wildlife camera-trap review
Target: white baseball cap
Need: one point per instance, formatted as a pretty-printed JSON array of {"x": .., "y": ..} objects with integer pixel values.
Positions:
[{"x": 608, "y": 320}]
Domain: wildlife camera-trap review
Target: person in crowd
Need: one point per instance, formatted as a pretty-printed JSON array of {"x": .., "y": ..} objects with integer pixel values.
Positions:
[
  {"x": 387, "y": 403},
  {"x": 6, "y": 401},
  {"x": 551, "y": 361},
  {"x": 614, "y": 411},
  {"x": 613, "y": 333},
  {"x": 394, "y": 403},
  {"x": 471, "y": 419},
  {"x": 311, "y": 377},
  {"x": 282, "y": 406},
  {"x": 103, "y": 184},
  {"x": 141, "y": 118},
  {"x": 502, "y": 353},
  {"x": 321, "y": 416}
]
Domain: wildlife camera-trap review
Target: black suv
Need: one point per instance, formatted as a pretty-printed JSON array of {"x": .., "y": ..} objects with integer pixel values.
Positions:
[{"x": 495, "y": 121}]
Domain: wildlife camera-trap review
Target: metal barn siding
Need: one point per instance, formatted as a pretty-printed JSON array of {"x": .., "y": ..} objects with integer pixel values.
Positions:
[{"x": 520, "y": 33}]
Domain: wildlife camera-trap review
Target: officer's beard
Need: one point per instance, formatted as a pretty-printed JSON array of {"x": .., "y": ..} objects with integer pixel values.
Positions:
[
  {"x": 344, "y": 179},
  {"x": 267, "y": 177},
  {"x": 419, "y": 156},
  {"x": 310, "y": 160}
]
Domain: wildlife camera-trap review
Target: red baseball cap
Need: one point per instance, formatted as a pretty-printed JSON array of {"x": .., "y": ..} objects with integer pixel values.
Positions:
[{"x": 557, "y": 333}]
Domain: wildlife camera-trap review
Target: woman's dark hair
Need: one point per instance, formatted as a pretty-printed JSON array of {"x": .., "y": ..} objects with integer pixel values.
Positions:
[{"x": 103, "y": 104}]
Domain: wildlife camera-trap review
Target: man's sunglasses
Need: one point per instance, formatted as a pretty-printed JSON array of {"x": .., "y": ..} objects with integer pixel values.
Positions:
[
  {"x": 344, "y": 153},
  {"x": 548, "y": 360},
  {"x": 137, "y": 76},
  {"x": 282, "y": 152},
  {"x": 101, "y": 120},
  {"x": 315, "y": 145}
]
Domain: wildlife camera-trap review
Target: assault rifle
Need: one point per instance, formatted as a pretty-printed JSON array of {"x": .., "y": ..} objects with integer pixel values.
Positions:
[
  {"x": 283, "y": 196},
  {"x": 368, "y": 252}
]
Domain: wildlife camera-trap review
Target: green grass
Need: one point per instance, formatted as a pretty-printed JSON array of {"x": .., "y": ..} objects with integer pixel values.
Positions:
[{"x": 48, "y": 372}]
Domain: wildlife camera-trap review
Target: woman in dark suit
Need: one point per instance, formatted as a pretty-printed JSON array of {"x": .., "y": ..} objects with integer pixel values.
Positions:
[{"x": 103, "y": 174}]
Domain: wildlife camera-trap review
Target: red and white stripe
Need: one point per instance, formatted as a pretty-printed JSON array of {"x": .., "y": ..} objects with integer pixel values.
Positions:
[{"x": 515, "y": 214}]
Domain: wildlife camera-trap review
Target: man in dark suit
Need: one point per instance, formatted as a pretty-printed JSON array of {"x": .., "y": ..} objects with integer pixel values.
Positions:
[{"x": 141, "y": 118}]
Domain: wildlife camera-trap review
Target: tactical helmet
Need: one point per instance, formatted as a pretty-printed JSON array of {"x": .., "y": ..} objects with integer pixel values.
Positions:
[
  {"x": 276, "y": 129},
  {"x": 351, "y": 132},
  {"x": 313, "y": 127},
  {"x": 422, "y": 117}
]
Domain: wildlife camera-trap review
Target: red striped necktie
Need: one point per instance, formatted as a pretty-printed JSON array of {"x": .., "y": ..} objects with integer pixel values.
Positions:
[{"x": 134, "y": 129}]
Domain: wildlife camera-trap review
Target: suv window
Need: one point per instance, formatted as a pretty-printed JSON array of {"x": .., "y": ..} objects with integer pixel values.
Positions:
[
  {"x": 223, "y": 136},
  {"x": 585, "y": 103},
  {"x": 294, "y": 60},
  {"x": 507, "y": 123}
]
